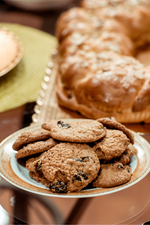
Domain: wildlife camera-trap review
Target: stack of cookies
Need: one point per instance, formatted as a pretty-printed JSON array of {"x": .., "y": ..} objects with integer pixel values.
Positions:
[{"x": 67, "y": 156}]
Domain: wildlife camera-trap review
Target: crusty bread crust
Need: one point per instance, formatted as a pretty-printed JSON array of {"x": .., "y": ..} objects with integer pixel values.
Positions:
[
  {"x": 97, "y": 74},
  {"x": 123, "y": 117}
]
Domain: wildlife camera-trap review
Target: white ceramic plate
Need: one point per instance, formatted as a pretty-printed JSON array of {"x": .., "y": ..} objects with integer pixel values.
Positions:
[{"x": 16, "y": 173}]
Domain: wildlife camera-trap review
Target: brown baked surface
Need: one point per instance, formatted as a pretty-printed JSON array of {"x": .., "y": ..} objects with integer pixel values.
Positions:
[
  {"x": 34, "y": 164},
  {"x": 111, "y": 175},
  {"x": 75, "y": 165},
  {"x": 113, "y": 124},
  {"x": 35, "y": 148},
  {"x": 72, "y": 160},
  {"x": 39, "y": 178},
  {"x": 98, "y": 75},
  {"x": 112, "y": 145},
  {"x": 75, "y": 131},
  {"x": 32, "y": 136}
]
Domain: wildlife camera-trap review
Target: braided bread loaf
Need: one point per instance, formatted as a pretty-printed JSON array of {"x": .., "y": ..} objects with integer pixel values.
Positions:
[{"x": 98, "y": 75}]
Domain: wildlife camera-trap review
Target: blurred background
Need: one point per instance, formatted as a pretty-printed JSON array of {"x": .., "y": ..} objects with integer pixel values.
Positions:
[
  {"x": 38, "y": 17},
  {"x": 42, "y": 13}
]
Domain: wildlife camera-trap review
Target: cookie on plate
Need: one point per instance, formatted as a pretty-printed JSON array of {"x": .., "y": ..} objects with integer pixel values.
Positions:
[
  {"x": 75, "y": 131},
  {"x": 35, "y": 164},
  {"x": 111, "y": 123},
  {"x": 70, "y": 167},
  {"x": 39, "y": 177},
  {"x": 111, "y": 175},
  {"x": 34, "y": 148},
  {"x": 32, "y": 136},
  {"x": 112, "y": 145},
  {"x": 125, "y": 157}
]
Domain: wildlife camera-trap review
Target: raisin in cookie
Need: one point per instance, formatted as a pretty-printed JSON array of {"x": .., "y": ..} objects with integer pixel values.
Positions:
[
  {"x": 75, "y": 131},
  {"x": 35, "y": 164},
  {"x": 112, "y": 145},
  {"x": 111, "y": 123},
  {"x": 32, "y": 136},
  {"x": 111, "y": 175},
  {"x": 70, "y": 167},
  {"x": 34, "y": 148}
]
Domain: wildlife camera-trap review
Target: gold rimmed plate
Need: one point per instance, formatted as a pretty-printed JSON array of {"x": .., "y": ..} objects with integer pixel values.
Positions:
[
  {"x": 15, "y": 172},
  {"x": 14, "y": 52}
]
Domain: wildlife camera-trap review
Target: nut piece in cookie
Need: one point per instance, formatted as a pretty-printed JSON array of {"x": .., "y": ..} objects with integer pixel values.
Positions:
[
  {"x": 34, "y": 148},
  {"x": 75, "y": 131},
  {"x": 111, "y": 175},
  {"x": 112, "y": 145},
  {"x": 70, "y": 167},
  {"x": 111, "y": 123},
  {"x": 32, "y": 136}
]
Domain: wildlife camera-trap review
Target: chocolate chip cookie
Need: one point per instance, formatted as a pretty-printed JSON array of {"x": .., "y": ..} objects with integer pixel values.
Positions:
[
  {"x": 70, "y": 167},
  {"x": 75, "y": 131},
  {"x": 111, "y": 175},
  {"x": 32, "y": 136}
]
